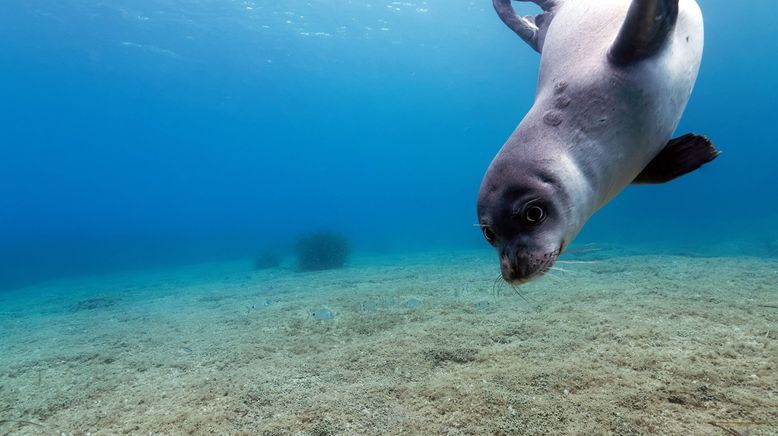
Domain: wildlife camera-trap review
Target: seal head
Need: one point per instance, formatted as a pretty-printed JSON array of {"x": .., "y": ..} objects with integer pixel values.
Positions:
[{"x": 526, "y": 214}]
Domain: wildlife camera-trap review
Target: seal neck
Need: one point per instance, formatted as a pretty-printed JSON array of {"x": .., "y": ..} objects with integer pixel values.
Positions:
[{"x": 581, "y": 194}]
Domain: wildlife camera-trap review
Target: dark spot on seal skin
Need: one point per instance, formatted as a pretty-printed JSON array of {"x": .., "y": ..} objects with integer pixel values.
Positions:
[
  {"x": 560, "y": 87},
  {"x": 562, "y": 102},
  {"x": 552, "y": 118},
  {"x": 687, "y": 39}
]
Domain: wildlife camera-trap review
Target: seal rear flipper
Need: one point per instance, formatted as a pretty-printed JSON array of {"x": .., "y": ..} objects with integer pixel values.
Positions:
[
  {"x": 532, "y": 29},
  {"x": 645, "y": 30},
  {"x": 680, "y": 156}
]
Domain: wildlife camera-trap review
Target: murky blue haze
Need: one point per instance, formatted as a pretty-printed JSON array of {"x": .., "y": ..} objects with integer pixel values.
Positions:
[{"x": 146, "y": 133}]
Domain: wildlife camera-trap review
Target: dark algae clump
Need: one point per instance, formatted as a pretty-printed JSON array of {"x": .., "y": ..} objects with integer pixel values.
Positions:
[{"x": 322, "y": 250}]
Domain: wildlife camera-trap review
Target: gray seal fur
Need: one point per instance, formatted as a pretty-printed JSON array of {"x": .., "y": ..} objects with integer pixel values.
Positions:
[{"x": 615, "y": 77}]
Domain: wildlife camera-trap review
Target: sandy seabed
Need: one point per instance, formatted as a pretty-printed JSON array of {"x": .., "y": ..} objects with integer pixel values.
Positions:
[{"x": 417, "y": 344}]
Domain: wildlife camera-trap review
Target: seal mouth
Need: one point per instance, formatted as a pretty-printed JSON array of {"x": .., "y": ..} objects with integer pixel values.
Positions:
[{"x": 521, "y": 269}]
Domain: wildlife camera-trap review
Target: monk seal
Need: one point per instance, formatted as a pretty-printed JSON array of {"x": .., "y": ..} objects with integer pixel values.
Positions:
[{"x": 615, "y": 77}]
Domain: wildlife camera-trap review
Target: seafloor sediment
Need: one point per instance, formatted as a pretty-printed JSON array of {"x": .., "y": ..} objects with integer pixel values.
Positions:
[{"x": 417, "y": 344}]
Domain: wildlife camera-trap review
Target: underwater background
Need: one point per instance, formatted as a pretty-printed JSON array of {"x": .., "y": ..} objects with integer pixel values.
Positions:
[
  {"x": 156, "y": 132},
  {"x": 161, "y": 160}
]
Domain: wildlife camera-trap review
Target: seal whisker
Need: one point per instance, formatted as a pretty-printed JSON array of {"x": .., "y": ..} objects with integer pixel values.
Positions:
[
  {"x": 556, "y": 268},
  {"x": 516, "y": 290},
  {"x": 583, "y": 250},
  {"x": 497, "y": 285},
  {"x": 577, "y": 261}
]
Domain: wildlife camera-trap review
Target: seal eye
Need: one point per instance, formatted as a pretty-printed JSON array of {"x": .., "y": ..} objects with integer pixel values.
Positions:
[
  {"x": 534, "y": 214},
  {"x": 489, "y": 234}
]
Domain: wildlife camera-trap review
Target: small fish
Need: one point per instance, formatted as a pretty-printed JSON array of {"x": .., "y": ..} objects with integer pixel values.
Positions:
[
  {"x": 369, "y": 306},
  {"x": 322, "y": 314},
  {"x": 413, "y": 303},
  {"x": 483, "y": 304}
]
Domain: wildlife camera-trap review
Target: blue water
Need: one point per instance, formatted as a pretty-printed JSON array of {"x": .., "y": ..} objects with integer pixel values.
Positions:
[{"x": 147, "y": 133}]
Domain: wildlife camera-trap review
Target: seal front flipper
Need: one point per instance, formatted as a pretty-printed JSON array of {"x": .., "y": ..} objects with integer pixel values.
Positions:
[
  {"x": 680, "y": 156},
  {"x": 645, "y": 30},
  {"x": 532, "y": 29}
]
